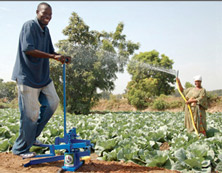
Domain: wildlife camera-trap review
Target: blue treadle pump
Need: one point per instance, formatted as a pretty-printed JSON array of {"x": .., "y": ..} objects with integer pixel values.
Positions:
[{"x": 77, "y": 150}]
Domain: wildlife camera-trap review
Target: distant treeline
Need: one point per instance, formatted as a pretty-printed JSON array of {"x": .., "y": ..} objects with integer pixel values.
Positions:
[{"x": 216, "y": 92}]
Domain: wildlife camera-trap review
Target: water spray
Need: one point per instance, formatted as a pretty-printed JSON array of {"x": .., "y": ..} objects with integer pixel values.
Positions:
[
  {"x": 176, "y": 74},
  {"x": 155, "y": 68},
  {"x": 92, "y": 52}
]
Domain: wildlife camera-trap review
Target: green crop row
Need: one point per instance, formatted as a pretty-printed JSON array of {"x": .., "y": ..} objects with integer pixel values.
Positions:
[{"x": 135, "y": 137}]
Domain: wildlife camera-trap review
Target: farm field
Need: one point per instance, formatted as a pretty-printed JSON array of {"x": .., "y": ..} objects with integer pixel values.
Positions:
[{"x": 157, "y": 141}]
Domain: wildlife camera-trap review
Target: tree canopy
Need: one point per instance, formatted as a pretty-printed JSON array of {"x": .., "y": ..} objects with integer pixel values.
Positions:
[
  {"x": 147, "y": 83},
  {"x": 188, "y": 85},
  {"x": 96, "y": 58},
  {"x": 8, "y": 90}
]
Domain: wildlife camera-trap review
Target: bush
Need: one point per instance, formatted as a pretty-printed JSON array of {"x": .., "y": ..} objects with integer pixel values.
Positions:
[
  {"x": 8, "y": 90},
  {"x": 113, "y": 103},
  {"x": 159, "y": 104},
  {"x": 167, "y": 102},
  {"x": 3, "y": 105},
  {"x": 139, "y": 94},
  {"x": 162, "y": 97},
  {"x": 14, "y": 103},
  {"x": 175, "y": 104},
  {"x": 212, "y": 98}
]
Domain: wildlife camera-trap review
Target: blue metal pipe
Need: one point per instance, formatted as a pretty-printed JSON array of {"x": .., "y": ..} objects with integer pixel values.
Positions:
[{"x": 64, "y": 97}]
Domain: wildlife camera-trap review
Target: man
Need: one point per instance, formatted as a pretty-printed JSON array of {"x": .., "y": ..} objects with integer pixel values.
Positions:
[{"x": 38, "y": 99}]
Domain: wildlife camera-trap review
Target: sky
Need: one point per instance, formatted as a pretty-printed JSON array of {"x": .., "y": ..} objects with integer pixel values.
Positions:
[{"x": 188, "y": 32}]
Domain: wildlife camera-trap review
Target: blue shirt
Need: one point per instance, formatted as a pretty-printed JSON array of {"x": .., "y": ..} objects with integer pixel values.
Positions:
[{"x": 29, "y": 70}]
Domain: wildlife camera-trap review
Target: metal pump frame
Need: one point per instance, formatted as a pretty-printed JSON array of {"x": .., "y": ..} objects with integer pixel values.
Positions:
[{"x": 71, "y": 143}]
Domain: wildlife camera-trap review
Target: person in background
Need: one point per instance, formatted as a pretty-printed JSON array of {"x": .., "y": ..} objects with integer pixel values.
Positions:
[
  {"x": 196, "y": 98},
  {"x": 37, "y": 96}
]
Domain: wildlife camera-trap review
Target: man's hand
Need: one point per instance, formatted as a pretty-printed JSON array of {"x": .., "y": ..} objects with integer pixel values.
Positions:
[
  {"x": 67, "y": 59},
  {"x": 62, "y": 59},
  {"x": 39, "y": 54}
]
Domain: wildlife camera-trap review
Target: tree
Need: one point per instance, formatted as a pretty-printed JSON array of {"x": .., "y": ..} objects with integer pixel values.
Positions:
[
  {"x": 96, "y": 58},
  {"x": 140, "y": 89},
  {"x": 105, "y": 95},
  {"x": 139, "y": 93},
  {"x": 188, "y": 85},
  {"x": 2, "y": 89},
  {"x": 8, "y": 90}
]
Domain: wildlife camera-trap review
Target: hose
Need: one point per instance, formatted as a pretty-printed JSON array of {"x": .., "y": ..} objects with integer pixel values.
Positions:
[{"x": 191, "y": 114}]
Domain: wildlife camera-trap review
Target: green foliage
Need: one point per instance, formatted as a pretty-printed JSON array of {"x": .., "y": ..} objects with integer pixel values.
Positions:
[
  {"x": 96, "y": 58},
  {"x": 166, "y": 102},
  {"x": 216, "y": 92},
  {"x": 8, "y": 90},
  {"x": 212, "y": 97},
  {"x": 8, "y": 93},
  {"x": 3, "y": 105},
  {"x": 139, "y": 93},
  {"x": 105, "y": 95},
  {"x": 175, "y": 104},
  {"x": 137, "y": 90},
  {"x": 14, "y": 103},
  {"x": 159, "y": 104},
  {"x": 188, "y": 85},
  {"x": 113, "y": 102},
  {"x": 135, "y": 137}
]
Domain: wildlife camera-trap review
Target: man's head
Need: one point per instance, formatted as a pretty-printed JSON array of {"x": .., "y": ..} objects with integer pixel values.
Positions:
[{"x": 44, "y": 14}]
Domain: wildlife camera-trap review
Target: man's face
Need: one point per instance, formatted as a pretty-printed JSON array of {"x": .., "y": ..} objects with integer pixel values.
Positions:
[{"x": 44, "y": 15}]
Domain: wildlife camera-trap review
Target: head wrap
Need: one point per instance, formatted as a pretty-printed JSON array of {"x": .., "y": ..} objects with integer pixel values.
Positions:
[{"x": 198, "y": 77}]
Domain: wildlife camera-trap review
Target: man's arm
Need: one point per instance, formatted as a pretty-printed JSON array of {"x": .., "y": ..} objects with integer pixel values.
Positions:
[{"x": 39, "y": 54}]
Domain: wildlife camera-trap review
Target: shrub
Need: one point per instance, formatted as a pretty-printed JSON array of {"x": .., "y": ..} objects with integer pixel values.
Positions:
[
  {"x": 212, "y": 98},
  {"x": 3, "y": 105},
  {"x": 175, "y": 104},
  {"x": 139, "y": 93},
  {"x": 159, "y": 104},
  {"x": 14, "y": 103},
  {"x": 113, "y": 103}
]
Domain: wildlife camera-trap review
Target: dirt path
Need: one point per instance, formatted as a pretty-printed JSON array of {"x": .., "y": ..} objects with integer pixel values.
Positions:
[{"x": 14, "y": 164}]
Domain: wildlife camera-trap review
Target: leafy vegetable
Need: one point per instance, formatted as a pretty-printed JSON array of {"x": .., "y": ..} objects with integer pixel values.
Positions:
[{"x": 135, "y": 136}]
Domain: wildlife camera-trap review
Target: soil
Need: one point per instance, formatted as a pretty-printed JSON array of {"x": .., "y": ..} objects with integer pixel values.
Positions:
[
  {"x": 15, "y": 164},
  {"x": 122, "y": 105}
]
